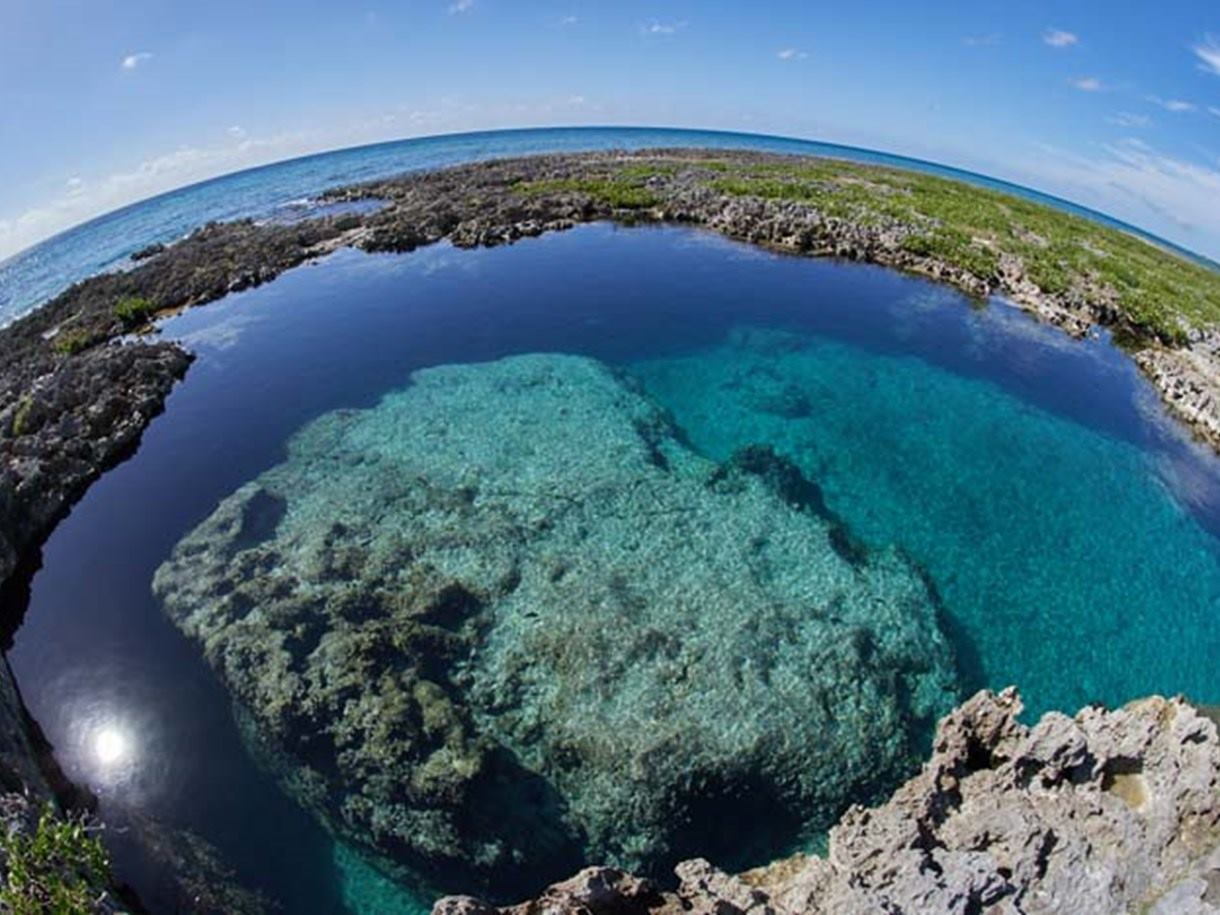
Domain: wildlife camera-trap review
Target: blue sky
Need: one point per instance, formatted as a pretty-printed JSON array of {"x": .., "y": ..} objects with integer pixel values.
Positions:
[{"x": 1115, "y": 105}]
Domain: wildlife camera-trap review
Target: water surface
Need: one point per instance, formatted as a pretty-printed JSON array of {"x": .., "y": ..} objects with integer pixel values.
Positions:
[{"x": 1067, "y": 526}]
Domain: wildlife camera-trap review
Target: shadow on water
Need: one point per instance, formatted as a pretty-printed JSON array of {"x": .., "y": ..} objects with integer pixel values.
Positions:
[{"x": 95, "y": 654}]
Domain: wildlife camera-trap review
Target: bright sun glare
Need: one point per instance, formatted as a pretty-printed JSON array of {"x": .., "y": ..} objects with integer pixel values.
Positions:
[{"x": 110, "y": 745}]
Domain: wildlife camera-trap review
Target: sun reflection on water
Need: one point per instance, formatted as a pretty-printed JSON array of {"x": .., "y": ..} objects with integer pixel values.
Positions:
[
  {"x": 110, "y": 746},
  {"x": 108, "y": 750}
]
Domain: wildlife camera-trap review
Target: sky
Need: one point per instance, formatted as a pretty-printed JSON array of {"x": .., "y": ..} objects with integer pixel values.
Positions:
[{"x": 1115, "y": 105}]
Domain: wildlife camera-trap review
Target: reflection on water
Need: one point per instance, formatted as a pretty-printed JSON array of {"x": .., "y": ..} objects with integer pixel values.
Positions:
[
  {"x": 134, "y": 712},
  {"x": 111, "y": 746}
]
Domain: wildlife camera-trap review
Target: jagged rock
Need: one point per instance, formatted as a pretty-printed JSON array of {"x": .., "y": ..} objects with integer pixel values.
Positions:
[
  {"x": 507, "y": 621},
  {"x": 1110, "y": 811}
]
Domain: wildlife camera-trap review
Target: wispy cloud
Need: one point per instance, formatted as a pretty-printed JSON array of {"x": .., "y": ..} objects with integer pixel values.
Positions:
[
  {"x": 1086, "y": 84},
  {"x": 791, "y": 54},
  {"x": 1057, "y": 38},
  {"x": 1129, "y": 119},
  {"x": 981, "y": 41},
  {"x": 1172, "y": 196},
  {"x": 461, "y": 6},
  {"x": 662, "y": 28},
  {"x": 131, "y": 61},
  {"x": 83, "y": 199},
  {"x": 1177, "y": 106},
  {"x": 1208, "y": 52},
  {"x": 1214, "y": 110},
  {"x": 236, "y": 131},
  {"x": 569, "y": 20}
]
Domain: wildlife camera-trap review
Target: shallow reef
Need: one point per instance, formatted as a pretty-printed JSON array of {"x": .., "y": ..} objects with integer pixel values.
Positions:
[
  {"x": 507, "y": 621},
  {"x": 1064, "y": 562}
]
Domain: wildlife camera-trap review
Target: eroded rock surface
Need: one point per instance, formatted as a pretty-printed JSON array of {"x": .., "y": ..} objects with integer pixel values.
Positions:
[
  {"x": 507, "y": 621},
  {"x": 1110, "y": 811}
]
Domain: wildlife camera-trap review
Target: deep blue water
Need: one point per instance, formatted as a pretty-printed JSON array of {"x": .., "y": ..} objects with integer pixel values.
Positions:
[
  {"x": 1069, "y": 527},
  {"x": 284, "y": 188}
]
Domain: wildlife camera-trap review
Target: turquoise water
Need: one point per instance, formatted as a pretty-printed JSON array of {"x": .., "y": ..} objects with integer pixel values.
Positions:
[
  {"x": 1026, "y": 485},
  {"x": 1066, "y": 562},
  {"x": 283, "y": 190}
]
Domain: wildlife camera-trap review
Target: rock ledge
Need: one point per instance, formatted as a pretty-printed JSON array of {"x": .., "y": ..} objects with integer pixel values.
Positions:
[{"x": 1109, "y": 811}]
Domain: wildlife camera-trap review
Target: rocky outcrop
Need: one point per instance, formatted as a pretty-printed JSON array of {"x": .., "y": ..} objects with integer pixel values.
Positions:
[
  {"x": 67, "y": 426},
  {"x": 507, "y": 621},
  {"x": 1188, "y": 380},
  {"x": 1110, "y": 811}
]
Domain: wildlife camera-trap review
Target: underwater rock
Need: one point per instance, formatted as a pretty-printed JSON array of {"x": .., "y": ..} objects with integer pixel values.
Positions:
[
  {"x": 506, "y": 622},
  {"x": 1110, "y": 811}
]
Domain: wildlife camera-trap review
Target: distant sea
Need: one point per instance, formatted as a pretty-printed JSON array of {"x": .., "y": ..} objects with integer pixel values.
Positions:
[{"x": 286, "y": 189}]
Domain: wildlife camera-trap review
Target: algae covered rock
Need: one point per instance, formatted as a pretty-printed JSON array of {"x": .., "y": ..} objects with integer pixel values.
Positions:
[{"x": 506, "y": 622}]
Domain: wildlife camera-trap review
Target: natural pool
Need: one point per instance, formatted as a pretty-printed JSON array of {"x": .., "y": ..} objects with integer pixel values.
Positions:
[{"x": 1058, "y": 532}]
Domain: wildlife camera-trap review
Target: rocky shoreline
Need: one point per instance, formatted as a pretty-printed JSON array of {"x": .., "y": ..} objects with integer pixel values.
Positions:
[
  {"x": 77, "y": 390},
  {"x": 1110, "y": 811}
]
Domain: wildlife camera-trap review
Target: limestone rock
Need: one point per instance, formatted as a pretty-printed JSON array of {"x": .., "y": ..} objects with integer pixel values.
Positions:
[{"x": 1110, "y": 811}]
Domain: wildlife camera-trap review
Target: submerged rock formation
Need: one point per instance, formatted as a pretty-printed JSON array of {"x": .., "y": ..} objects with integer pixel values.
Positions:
[
  {"x": 507, "y": 621},
  {"x": 1110, "y": 811}
]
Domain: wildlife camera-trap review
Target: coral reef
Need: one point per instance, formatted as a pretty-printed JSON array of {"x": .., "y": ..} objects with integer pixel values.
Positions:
[{"x": 507, "y": 621}]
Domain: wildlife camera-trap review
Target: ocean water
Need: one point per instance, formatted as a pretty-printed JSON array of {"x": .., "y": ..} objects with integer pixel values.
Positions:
[
  {"x": 284, "y": 190},
  {"x": 1067, "y": 529}
]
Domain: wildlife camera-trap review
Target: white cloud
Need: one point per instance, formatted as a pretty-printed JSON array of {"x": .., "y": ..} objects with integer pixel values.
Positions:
[
  {"x": 82, "y": 200},
  {"x": 1057, "y": 38},
  {"x": 1171, "y": 196},
  {"x": 791, "y": 54},
  {"x": 1208, "y": 52},
  {"x": 236, "y": 131},
  {"x": 131, "y": 61},
  {"x": 662, "y": 28},
  {"x": 1214, "y": 110},
  {"x": 576, "y": 100},
  {"x": 1086, "y": 84},
  {"x": 1128, "y": 119},
  {"x": 980, "y": 41},
  {"x": 1177, "y": 106},
  {"x": 569, "y": 20},
  {"x": 461, "y": 6}
]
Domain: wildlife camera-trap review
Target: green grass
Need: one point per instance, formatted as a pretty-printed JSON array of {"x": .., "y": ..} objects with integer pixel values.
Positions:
[
  {"x": 70, "y": 343},
  {"x": 134, "y": 310},
  {"x": 58, "y": 869},
  {"x": 1159, "y": 293},
  {"x": 21, "y": 416},
  {"x": 620, "y": 192}
]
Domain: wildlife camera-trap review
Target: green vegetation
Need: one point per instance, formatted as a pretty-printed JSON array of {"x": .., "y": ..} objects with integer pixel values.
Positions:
[
  {"x": 627, "y": 192},
  {"x": 1159, "y": 293},
  {"x": 72, "y": 342},
  {"x": 59, "y": 869},
  {"x": 21, "y": 416},
  {"x": 134, "y": 310}
]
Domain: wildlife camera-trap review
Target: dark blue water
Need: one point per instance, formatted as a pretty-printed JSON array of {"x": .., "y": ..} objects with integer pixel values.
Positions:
[
  {"x": 285, "y": 188},
  {"x": 1068, "y": 526}
]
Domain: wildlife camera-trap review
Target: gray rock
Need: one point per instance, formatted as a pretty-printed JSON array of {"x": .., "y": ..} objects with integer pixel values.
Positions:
[
  {"x": 1110, "y": 811},
  {"x": 507, "y": 621}
]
